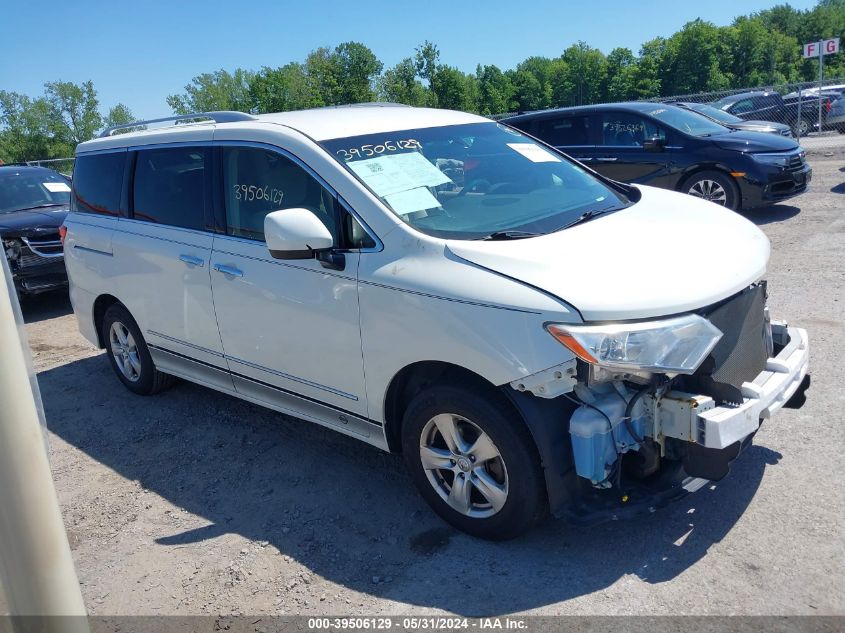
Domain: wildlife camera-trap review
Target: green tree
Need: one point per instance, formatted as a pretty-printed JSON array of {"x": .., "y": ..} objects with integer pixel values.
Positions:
[
  {"x": 495, "y": 90},
  {"x": 621, "y": 75},
  {"x": 219, "y": 90},
  {"x": 528, "y": 93},
  {"x": 357, "y": 68},
  {"x": 587, "y": 69},
  {"x": 400, "y": 85},
  {"x": 74, "y": 112},
  {"x": 27, "y": 129},
  {"x": 281, "y": 89},
  {"x": 118, "y": 115}
]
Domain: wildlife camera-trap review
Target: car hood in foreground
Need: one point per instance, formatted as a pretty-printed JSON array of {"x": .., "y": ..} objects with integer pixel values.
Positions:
[
  {"x": 32, "y": 221},
  {"x": 669, "y": 253}
]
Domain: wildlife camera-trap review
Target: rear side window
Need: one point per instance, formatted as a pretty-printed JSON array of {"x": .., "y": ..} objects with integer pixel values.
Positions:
[
  {"x": 565, "y": 131},
  {"x": 98, "y": 183},
  {"x": 743, "y": 105},
  {"x": 169, "y": 186}
]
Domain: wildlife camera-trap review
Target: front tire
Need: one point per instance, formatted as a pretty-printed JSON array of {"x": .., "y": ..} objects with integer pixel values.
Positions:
[
  {"x": 474, "y": 461},
  {"x": 714, "y": 186},
  {"x": 128, "y": 353}
]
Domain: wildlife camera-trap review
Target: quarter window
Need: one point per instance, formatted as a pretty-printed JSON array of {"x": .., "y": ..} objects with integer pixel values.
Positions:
[
  {"x": 98, "y": 183},
  {"x": 169, "y": 186},
  {"x": 567, "y": 131}
]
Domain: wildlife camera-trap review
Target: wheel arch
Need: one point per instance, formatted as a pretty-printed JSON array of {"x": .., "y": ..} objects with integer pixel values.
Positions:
[
  {"x": 409, "y": 381},
  {"x": 718, "y": 167},
  {"x": 101, "y": 304},
  {"x": 547, "y": 421}
]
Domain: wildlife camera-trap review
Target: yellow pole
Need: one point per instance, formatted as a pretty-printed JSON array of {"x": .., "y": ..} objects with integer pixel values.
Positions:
[{"x": 36, "y": 568}]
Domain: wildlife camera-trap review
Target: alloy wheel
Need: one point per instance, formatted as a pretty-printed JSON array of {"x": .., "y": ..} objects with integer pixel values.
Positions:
[
  {"x": 125, "y": 351},
  {"x": 464, "y": 466},
  {"x": 709, "y": 190}
]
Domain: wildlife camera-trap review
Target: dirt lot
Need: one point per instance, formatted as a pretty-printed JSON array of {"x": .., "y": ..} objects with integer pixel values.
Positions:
[{"x": 193, "y": 502}]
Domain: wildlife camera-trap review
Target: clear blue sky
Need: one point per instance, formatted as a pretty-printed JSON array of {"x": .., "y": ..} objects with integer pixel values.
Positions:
[{"x": 138, "y": 53}]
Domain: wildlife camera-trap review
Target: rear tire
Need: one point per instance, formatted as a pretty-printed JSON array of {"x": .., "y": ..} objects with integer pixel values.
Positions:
[
  {"x": 128, "y": 353},
  {"x": 454, "y": 434},
  {"x": 715, "y": 186}
]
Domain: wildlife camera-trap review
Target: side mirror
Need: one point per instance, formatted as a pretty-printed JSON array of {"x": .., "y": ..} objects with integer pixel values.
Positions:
[
  {"x": 296, "y": 234},
  {"x": 655, "y": 144}
]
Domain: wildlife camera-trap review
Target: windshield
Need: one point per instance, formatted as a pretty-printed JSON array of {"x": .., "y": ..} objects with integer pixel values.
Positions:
[
  {"x": 26, "y": 189},
  {"x": 714, "y": 113},
  {"x": 473, "y": 181},
  {"x": 686, "y": 121}
]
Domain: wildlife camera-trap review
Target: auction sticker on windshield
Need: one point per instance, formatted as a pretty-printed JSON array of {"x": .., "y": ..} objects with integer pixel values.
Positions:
[{"x": 398, "y": 172}]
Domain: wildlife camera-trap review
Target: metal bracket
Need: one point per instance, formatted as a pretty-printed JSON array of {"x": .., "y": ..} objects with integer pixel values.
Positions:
[{"x": 549, "y": 383}]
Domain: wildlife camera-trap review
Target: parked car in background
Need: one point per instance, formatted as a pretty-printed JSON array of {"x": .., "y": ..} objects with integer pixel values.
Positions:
[
  {"x": 531, "y": 337},
  {"x": 734, "y": 122},
  {"x": 670, "y": 147},
  {"x": 837, "y": 89},
  {"x": 33, "y": 204},
  {"x": 771, "y": 106},
  {"x": 836, "y": 116}
]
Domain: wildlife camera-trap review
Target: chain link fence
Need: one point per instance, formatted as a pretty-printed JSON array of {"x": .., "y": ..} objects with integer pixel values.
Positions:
[
  {"x": 61, "y": 165},
  {"x": 807, "y": 108}
]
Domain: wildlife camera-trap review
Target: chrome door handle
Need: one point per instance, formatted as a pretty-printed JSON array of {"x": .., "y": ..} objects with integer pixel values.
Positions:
[
  {"x": 228, "y": 270},
  {"x": 191, "y": 260},
  {"x": 583, "y": 159},
  {"x": 607, "y": 159}
]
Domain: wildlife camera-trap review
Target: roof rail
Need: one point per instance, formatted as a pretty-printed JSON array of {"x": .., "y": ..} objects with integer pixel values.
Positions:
[{"x": 222, "y": 116}]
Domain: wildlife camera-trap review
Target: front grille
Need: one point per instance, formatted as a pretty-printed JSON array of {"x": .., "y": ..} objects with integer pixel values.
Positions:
[
  {"x": 29, "y": 259},
  {"x": 796, "y": 162},
  {"x": 741, "y": 353},
  {"x": 49, "y": 245}
]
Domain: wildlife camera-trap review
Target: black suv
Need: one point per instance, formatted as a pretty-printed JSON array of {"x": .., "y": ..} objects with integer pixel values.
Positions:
[
  {"x": 770, "y": 106},
  {"x": 33, "y": 204},
  {"x": 666, "y": 146}
]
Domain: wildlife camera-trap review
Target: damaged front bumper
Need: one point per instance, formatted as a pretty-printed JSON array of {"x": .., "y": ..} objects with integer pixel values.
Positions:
[
  {"x": 697, "y": 418},
  {"x": 712, "y": 436}
]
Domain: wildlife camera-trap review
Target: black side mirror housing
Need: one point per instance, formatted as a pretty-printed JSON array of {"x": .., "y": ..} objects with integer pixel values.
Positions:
[{"x": 655, "y": 144}]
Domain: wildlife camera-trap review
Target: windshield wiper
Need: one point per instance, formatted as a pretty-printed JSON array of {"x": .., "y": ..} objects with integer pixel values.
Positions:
[
  {"x": 584, "y": 217},
  {"x": 509, "y": 235}
]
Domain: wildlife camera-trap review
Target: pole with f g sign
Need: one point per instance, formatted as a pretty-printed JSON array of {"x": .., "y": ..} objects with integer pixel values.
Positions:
[{"x": 820, "y": 49}]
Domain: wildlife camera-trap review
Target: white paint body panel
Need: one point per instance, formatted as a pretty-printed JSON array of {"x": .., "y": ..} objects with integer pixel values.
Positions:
[
  {"x": 667, "y": 254},
  {"x": 291, "y": 324}
]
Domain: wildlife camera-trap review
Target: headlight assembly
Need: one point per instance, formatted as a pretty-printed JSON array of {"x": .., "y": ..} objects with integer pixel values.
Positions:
[
  {"x": 677, "y": 345},
  {"x": 779, "y": 160}
]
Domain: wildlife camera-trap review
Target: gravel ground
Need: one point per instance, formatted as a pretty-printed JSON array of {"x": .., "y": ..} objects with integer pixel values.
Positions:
[{"x": 193, "y": 502}]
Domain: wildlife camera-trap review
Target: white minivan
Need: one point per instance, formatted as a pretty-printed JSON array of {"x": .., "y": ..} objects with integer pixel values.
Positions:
[{"x": 532, "y": 337}]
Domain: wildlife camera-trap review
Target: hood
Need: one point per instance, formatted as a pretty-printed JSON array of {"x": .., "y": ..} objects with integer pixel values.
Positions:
[
  {"x": 669, "y": 253},
  {"x": 32, "y": 221},
  {"x": 758, "y": 126},
  {"x": 742, "y": 141}
]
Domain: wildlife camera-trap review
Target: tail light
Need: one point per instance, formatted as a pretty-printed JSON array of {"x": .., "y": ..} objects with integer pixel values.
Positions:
[
  {"x": 827, "y": 106},
  {"x": 62, "y": 233}
]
